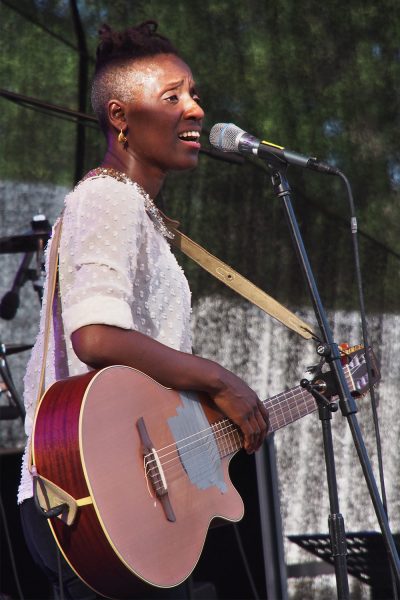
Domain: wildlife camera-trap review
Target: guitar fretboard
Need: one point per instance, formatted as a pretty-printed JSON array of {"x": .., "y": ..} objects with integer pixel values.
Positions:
[{"x": 283, "y": 409}]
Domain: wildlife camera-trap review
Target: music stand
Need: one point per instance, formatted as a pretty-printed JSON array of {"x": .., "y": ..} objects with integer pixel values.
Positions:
[{"x": 366, "y": 557}]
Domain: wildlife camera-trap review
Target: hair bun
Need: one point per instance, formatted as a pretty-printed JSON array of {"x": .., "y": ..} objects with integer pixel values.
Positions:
[{"x": 133, "y": 42}]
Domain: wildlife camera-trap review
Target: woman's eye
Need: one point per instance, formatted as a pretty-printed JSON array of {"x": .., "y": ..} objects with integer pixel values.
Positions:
[
  {"x": 196, "y": 98},
  {"x": 172, "y": 99}
]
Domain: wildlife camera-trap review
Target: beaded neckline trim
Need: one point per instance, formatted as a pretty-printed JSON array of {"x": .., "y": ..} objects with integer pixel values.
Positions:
[{"x": 149, "y": 205}]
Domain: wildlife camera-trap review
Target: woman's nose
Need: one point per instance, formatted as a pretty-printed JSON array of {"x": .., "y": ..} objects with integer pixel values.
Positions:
[{"x": 193, "y": 110}]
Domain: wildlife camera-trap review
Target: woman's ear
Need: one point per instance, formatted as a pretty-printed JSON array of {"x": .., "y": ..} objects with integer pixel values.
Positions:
[{"x": 116, "y": 114}]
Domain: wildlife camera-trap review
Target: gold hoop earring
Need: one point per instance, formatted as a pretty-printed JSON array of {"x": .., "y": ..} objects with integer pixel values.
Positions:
[{"x": 122, "y": 139}]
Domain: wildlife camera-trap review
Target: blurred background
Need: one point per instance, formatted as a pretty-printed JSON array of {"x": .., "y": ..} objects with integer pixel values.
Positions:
[{"x": 319, "y": 78}]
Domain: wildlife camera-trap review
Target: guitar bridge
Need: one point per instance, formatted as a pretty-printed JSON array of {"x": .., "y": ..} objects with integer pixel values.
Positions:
[{"x": 153, "y": 470}]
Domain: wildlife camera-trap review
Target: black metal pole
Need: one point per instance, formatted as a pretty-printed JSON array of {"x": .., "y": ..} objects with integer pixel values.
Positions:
[
  {"x": 80, "y": 145},
  {"x": 347, "y": 403},
  {"x": 337, "y": 530}
]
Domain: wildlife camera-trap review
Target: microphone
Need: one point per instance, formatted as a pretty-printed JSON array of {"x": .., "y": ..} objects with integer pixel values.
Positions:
[
  {"x": 230, "y": 138},
  {"x": 10, "y": 301}
]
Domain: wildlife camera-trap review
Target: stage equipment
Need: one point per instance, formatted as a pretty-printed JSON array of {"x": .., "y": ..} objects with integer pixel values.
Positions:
[
  {"x": 227, "y": 137},
  {"x": 32, "y": 243},
  {"x": 15, "y": 408},
  {"x": 366, "y": 558},
  {"x": 328, "y": 349},
  {"x": 9, "y": 349}
]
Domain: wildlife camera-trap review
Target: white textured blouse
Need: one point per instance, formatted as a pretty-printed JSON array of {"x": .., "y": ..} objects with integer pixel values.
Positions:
[{"x": 115, "y": 268}]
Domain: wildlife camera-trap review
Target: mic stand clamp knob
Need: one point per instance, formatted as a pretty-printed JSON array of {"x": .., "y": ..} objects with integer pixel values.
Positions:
[{"x": 314, "y": 389}]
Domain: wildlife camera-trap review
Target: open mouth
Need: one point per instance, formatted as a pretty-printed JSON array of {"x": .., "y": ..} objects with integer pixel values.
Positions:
[{"x": 190, "y": 136}]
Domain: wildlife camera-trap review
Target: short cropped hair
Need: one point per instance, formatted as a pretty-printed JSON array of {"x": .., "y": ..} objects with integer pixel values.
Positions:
[{"x": 114, "y": 56}]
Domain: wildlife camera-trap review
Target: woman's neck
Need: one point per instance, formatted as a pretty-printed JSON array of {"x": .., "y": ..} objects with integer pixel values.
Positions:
[{"x": 148, "y": 177}]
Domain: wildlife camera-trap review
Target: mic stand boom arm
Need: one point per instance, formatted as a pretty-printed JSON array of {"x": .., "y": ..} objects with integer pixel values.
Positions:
[{"x": 348, "y": 407}]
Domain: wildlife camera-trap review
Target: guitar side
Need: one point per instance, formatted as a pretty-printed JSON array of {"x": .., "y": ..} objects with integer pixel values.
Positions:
[{"x": 88, "y": 426}]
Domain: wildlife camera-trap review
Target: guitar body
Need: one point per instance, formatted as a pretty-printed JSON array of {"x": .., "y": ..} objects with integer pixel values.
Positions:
[
  {"x": 148, "y": 468},
  {"x": 86, "y": 440}
]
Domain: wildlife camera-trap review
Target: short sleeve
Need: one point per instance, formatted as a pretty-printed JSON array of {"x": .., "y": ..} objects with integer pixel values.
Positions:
[{"x": 101, "y": 236}]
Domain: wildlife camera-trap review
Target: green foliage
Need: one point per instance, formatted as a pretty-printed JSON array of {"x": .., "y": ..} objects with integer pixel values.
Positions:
[{"x": 321, "y": 78}]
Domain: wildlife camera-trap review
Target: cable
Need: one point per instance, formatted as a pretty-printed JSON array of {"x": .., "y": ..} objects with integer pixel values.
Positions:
[
  {"x": 365, "y": 335},
  {"x": 256, "y": 164},
  {"x": 53, "y": 110}
]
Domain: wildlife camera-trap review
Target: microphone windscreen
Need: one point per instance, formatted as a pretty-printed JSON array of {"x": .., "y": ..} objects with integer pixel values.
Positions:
[
  {"x": 224, "y": 135},
  {"x": 9, "y": 305}
]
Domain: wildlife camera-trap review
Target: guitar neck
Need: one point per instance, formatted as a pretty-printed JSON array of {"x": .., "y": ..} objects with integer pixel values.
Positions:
[{"x": 283, "y": 409}]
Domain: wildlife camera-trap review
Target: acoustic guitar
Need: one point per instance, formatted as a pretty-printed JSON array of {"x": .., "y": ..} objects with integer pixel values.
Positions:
[{"x": 142, "y": 470}]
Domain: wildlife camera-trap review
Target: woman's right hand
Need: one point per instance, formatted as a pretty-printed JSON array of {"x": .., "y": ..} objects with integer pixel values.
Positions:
[{"x": 241, "y": 405}]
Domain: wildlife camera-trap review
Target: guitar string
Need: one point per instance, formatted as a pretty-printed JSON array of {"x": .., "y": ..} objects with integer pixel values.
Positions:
[
  {"x": 230, "y": 428},
  {"x": 207, "y": 468},
  {"x": 176, "y": 462},
  {"x": 194, "y": 439},
  {"x": 275, "y": 402},
  {"x": 194, "y": 453},
  {"x": 227, "y": 447},
  {"x": 225, "y": 450},
  {"x": 227, "y": 443},
  {"x": 172, "y": 470},
  {"x": 225, "y": 429},
  {"x": 202, "y": 471},
  {"x": 213, "y": 461},
  {"x": 270, "y": 403}
]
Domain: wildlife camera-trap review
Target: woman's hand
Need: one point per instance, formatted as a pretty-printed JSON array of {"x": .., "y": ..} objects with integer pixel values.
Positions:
[{"x": 242, "y": 406}]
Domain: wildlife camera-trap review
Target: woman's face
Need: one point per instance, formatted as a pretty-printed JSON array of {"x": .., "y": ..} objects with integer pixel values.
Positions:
[{"x": 164, "y": 117}]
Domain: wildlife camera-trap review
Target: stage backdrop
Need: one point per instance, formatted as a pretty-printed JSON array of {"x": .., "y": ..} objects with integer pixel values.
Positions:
[{"x": 321, "y": 79}]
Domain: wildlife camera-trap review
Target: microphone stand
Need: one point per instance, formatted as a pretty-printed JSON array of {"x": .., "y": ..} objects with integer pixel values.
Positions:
[{"x": 329, "y": 349}]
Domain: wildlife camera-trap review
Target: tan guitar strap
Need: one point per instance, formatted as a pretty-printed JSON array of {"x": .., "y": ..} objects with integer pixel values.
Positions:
[
  {"x": 46, "y": 493},
  {"x": 51, "y": 288},
  {"x": 237, "y": 282}
]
